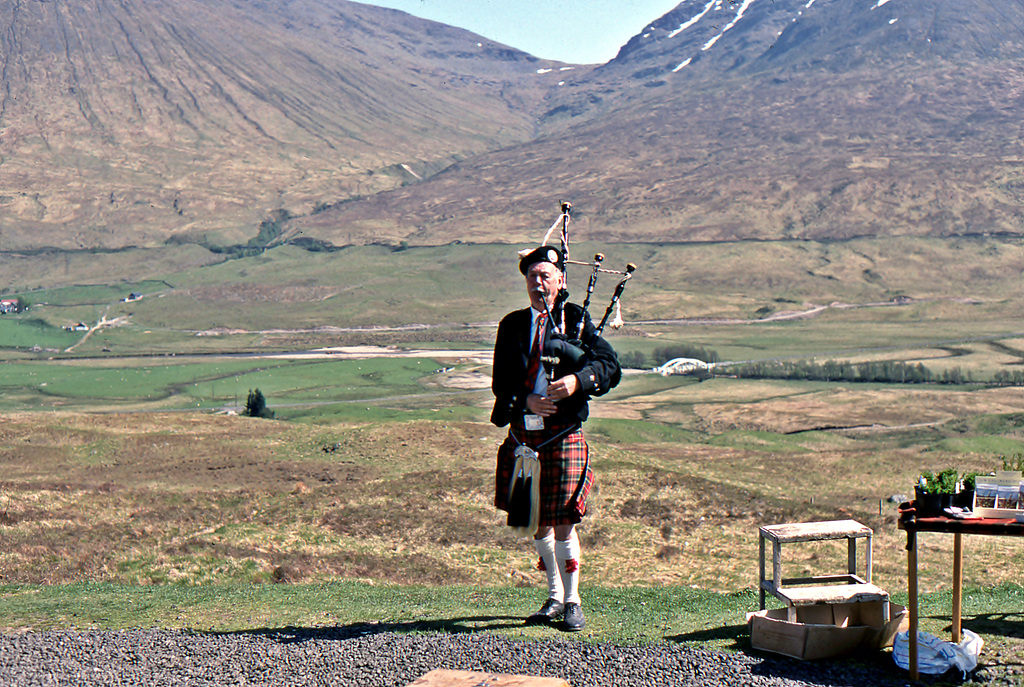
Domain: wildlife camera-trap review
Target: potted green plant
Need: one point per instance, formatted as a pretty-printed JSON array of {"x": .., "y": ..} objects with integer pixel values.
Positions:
[
  {"x": 934, "y": 492},
  {"x": 965, "y": 497}
]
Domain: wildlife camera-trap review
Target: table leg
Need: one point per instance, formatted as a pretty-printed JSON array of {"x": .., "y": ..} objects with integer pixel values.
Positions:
[
  {"x": 867, "y": 559},
  {"x": 760, "y": 584},
  {"x": 912, "y": 601},
  {"x": 777, "y": 565},
  {"x": 958, "y": 584}
]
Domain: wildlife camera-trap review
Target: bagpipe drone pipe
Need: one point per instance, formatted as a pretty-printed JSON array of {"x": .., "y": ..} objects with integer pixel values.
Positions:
[{"x": 567, "y": 348}]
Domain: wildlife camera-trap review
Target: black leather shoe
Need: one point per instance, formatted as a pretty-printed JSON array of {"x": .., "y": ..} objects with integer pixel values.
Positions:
[
  {"x": 574, "y": 620},
  {"x": 551, "y": 610}
]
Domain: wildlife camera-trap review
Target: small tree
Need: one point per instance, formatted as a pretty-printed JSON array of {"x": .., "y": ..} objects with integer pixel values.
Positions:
[
  {"x": 256, "y": 405},
  {"x": 635, "y": 360}
]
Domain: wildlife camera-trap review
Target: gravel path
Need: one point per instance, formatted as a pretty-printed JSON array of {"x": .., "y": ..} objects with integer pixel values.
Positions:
[{"x": 364, "y": 657}]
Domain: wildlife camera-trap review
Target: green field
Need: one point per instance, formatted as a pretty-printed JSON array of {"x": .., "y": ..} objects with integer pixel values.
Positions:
[
  {"x": 168, "y": 350},
  {"x": 181, "y": 383},
  {"x": 970, "y": 281}
]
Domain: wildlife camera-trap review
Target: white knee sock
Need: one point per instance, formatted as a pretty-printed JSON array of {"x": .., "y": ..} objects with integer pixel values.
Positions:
[
  {"x": 547, "y": 563},
  {"x": 568, "y": 555}
]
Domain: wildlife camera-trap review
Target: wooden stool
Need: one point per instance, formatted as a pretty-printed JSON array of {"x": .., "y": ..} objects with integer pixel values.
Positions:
[
  {"x": 462, "y": 678},
  {"x": 819, "y": 589}
]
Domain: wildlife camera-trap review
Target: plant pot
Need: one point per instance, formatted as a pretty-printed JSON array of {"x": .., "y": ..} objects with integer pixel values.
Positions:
[
  {"x": 964, "y": 499},
  {"x": 930, "y": 505}
]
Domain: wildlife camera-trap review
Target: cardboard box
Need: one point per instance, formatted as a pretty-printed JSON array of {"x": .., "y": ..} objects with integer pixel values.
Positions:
[{"x": 825, "y": 630}]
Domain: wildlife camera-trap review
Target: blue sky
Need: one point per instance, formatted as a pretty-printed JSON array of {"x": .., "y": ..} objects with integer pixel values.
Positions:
[{"x": 577, "y": 31}]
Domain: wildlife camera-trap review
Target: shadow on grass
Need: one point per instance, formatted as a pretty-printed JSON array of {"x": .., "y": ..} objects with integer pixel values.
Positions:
[
  {"x": 729, "y": 637},
  {"x": 477, "y": 623},
  {"x": 1003, "y": 624}
]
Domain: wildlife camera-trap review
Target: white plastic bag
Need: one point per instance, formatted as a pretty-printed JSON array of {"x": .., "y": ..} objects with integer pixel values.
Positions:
[{"x": 935, "y": 656}]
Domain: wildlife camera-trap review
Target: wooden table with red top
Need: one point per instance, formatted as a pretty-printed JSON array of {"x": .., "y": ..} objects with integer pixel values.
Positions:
[{"x": 998, "y": 527}]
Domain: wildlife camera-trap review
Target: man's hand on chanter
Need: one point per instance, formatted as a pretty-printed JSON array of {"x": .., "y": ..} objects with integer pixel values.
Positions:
[{"x": 563, "y": 388}]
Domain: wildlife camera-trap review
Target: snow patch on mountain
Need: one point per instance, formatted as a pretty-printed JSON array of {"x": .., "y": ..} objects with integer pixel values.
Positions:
[
  {"x": 739, "y": 15},
  {"x": 741, "y": 8},
  {"x": 713, "y": 4}
]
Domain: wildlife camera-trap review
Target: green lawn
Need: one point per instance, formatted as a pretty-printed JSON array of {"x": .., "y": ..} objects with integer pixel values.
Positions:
[{"x": 634, "y": 615}]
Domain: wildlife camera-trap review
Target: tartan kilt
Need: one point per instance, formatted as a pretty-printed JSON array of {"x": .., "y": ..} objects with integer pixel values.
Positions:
[{"x": 563, "y": 468}]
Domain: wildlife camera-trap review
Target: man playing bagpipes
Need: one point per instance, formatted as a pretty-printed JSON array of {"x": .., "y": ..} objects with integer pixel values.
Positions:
[{"x": 549, "y": 360}]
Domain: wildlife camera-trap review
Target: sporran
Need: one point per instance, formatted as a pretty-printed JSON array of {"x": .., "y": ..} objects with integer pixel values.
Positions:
[{"x": 524, "y": 493}]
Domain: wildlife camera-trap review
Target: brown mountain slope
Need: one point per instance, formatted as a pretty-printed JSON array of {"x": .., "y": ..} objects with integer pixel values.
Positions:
[
  {"x": 791, "y": 159},
  {"x": 760, "y": 119},
  {"x": 128, "y": 121}
]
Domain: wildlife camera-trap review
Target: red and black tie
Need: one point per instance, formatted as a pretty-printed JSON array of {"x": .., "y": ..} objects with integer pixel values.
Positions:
[{"x": 533, "y": 367}]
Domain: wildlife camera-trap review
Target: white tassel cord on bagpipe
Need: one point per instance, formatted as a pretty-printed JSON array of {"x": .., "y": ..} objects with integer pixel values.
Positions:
[
  {"x": 614, "y": 305},
  {"x": 563, "y": 222},
  {"x": 617, "y": 319}
]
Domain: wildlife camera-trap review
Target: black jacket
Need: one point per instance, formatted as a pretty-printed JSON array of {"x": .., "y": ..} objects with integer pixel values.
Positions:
[{"x": 598, "y": 370}]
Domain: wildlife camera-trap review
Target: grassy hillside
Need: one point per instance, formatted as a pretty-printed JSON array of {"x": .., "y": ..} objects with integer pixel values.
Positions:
[
  {"x": 287, "y": 289},
  {"x": 397, "y": 486},
  {"x": 378, "y": 513}
]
